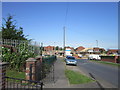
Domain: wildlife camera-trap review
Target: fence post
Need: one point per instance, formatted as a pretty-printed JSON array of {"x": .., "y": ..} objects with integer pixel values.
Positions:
[
  {"x": 2, "y": 74},
  {"x": 30, "y": 61}
]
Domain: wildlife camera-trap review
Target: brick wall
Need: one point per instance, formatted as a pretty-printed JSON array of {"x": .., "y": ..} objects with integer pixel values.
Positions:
[
  {"x": 49, "y": 48},
  {"x": 113, "y": 59},
  {"x": 2, "y": 75},
  {"x": 36, "y": 66},
  {"x": 30, "y": 61}
]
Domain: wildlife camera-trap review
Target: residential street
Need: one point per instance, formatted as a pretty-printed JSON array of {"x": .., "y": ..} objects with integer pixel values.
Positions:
[
  {"x": 60, "y": 80},
  {"x": 106, "y": 75}
]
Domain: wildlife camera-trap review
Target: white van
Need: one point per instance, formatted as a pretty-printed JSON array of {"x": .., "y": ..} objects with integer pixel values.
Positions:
[{"x": 94, "y": 57}]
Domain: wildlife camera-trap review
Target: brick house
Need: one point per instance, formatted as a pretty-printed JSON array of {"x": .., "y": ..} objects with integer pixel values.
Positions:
[
  {"x": 112, "y": 51},
  {"x": 79, "y": 49},
  {"x": 98, "y": 50},
  {"x": 49, "y": 48},
  {"x": 101, "y": 49}
]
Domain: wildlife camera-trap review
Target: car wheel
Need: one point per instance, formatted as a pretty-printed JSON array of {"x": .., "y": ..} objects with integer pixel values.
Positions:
[{"x": 75, "y": 65}]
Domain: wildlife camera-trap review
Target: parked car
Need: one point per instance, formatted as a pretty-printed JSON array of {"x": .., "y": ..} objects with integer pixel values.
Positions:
[
  {"x": 70, "y": 60},
  {"x": 94, "y": 57}
]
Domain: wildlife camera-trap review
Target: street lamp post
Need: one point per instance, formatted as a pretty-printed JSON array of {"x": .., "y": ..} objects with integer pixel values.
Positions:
[
  {"x": 63, "y": 41},
  {"x": 97, "y": 42},
  {"x": 54, "y": 48}
]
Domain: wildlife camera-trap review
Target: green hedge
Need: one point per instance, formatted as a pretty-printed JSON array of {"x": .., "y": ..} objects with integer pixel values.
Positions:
[{"x": 107, "y": 57}]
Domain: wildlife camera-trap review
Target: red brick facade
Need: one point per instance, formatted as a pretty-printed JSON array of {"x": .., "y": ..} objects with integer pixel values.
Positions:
[
  {"x": 49, "y": 48},
  {"x": 36, "y": 62},
  {"x": 113, "y": 59},
  {"x": 28, "y": 62},
  {"x": 2, "y": 75}
]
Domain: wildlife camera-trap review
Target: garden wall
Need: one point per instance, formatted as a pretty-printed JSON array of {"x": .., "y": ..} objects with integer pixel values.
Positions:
[
  {"x": 114, "y": 59},
  {"x": 37, "y": 68},
  {"x": 2, "y": 75}
]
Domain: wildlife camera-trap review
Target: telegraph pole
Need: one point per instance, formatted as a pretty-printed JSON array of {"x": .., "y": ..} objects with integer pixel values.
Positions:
[{"x": 63, "y": 41}]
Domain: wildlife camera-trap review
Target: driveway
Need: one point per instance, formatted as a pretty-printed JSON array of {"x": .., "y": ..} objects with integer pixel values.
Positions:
[{"x": 106, "y": 75}]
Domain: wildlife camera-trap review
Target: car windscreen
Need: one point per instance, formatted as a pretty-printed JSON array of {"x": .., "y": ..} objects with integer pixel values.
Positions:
[{"x": 70, "y": 58}]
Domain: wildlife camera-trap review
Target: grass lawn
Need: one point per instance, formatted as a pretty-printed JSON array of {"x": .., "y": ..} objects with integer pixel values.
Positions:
[
  {"x": 15, "y": 74},
  {"x": 110, "y": 63},
  {"x": 76, "y": 77}
]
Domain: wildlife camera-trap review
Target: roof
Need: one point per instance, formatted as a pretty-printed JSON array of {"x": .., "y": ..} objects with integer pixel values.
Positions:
[
  {"x": 113, "y": 50},
  {"x": 86, "y": 49}
]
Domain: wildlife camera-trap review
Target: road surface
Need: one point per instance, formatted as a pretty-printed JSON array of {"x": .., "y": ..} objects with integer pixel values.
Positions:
[{"x": 106, "y": 75}]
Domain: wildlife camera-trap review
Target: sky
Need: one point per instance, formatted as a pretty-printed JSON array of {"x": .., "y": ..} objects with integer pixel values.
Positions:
[{"x": 85, "y": 22}]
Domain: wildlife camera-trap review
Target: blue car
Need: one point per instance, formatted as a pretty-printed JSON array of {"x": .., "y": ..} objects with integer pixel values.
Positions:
[{"x": 70, "y": 60}]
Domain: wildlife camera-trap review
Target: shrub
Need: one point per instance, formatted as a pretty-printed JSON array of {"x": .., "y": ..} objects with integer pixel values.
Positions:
[{"x": 17, "y": 60}]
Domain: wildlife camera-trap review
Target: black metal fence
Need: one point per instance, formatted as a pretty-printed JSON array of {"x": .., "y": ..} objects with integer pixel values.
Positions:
[
  {"x": 14, "y": 83},
  {"x": 48, "y": 69}
]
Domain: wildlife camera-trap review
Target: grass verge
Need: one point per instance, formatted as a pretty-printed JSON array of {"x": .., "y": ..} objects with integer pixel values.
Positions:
[
  {"x": 63, "y": 60},
  {"x": 76, "y": 77},
  {"x": 109, "y": 63}
]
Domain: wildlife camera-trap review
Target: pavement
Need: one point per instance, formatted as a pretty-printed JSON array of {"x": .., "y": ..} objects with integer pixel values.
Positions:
[{"x": 60, "y": 80}]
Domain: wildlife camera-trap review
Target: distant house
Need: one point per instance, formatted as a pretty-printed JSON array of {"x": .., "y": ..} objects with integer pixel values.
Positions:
[
  {"x": 49, "y": 48},
  {"x": 112, "y": 51},
  {"x": 71, "y": 48},
  {"x": 101, "y": 49},
  {"x": 98, "y": 50},
  {"x": 87, "y": 50},
  {"x": 79, "y": 49},
  {"x": 95, "y": 50}
]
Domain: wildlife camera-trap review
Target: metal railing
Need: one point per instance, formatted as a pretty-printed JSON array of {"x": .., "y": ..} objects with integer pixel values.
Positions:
[{"x": 14, "y": 83}]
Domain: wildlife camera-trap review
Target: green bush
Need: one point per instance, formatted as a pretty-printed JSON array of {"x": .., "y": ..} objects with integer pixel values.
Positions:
[{"x": 17, "y": 60}]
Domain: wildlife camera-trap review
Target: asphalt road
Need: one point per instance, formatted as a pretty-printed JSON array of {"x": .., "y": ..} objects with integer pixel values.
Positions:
[{"x": 106, "y": 75}]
